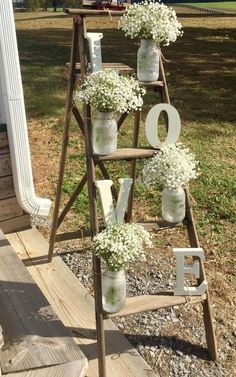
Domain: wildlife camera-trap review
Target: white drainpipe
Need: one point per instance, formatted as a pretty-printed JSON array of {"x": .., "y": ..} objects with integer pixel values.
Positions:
[
  {"x": 2, "y": 112},
  {"x": 15, "y": 118}
]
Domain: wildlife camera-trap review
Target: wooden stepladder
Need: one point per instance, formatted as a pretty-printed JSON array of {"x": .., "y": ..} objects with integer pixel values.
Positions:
[{"x": 131, "y": 154}]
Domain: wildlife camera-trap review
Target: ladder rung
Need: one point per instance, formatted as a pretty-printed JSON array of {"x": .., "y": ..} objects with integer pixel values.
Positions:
[
  {"x": 159, "y": 224},
  {"x": 151, "y": 84},
  {"x": 126, "y": 154},
  {"x": 94, "y": 12},
  {"x": 83, "y": 233},
  {"x": 139, "y": 304},
  {"x": 123, "y": 68},
  {"x": 73, "y": 235}
]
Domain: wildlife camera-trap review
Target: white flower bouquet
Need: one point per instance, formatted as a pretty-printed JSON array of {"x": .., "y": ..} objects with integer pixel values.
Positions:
[
  {"x": 120, "y": 244},
  {"x": 173, "y": 166},
  {"x": 107, "y": 92},
  {"x": 151, "y": 20}
]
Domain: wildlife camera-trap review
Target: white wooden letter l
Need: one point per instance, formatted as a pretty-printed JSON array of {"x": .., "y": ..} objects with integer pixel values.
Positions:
[{"x": 111, "y": 214}]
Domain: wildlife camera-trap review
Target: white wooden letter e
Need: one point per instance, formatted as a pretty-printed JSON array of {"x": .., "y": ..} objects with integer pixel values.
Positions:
[
  {"x": 182, "y": 269},
  {"x": 111, "y": 214}
]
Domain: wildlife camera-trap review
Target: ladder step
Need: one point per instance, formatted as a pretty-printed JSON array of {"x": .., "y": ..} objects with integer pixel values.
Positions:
[
  {"x": 153, "y": 226},
  {"x": 152, "y": 84},
  {"x": 126, "y": 154},
  {"x": 145, "y": 303},
  {"x": 94, "y": 12},
  {"x": 159, "y": 224},
  {"x": 122, "y": 68}
]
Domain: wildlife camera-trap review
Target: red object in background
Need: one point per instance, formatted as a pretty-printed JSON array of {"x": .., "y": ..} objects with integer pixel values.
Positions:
[{"x": 100, "y": 4}]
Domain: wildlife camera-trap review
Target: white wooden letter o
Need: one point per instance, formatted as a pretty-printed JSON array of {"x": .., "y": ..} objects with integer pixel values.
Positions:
[{"x": 151, "y": 125}]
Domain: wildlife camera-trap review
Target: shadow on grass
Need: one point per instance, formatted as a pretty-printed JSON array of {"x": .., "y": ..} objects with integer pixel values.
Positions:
[
  {"x": 44, "y": 16},
  {"x": 200, "y": 74}
]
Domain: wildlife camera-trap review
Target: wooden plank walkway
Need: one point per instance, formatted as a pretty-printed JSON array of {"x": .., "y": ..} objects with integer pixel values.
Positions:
[
  {"x": 75, "y": 308},
  {"x": 35, "y": 342}
]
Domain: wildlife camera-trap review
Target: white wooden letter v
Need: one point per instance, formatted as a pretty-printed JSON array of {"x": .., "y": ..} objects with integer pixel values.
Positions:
[{"x": 111, "y": 214}]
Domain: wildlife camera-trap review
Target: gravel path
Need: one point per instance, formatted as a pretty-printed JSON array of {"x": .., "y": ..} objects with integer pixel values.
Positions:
[{"x": 171, "y": 340}]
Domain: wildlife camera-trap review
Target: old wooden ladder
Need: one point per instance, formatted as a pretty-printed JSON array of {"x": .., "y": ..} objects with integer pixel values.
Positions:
[{"x": 134, "y": 304}]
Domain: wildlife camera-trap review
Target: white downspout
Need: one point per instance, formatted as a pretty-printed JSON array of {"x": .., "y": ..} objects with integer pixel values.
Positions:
[
  {"x": 15, "y": 118},
  {"x": 2, "y": 112}
]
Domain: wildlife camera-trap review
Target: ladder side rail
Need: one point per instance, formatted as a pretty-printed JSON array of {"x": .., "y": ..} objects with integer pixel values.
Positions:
[
  {"x": 101, "y": 352},
  {"x": 137, "y": 119},
  {"x": 72, "y": 199},
  {"x": 100, "y": 164},
  {"x": 164, "y": 94},
  {"x": 207, "y": 313},
  {"x": 68, "y": 111},
  {"x": 94, "y": 230},
  {"x": 164, "y": 90},
  {"x": 80, "y": 187}
]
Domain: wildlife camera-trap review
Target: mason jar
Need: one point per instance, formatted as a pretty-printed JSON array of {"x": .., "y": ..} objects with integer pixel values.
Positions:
[
  {"x": 113, "y": 290},
  {"x": 104, "y": 133},
  {"x": 173, "y": 205},
  {"x": 148, "y": 59}
]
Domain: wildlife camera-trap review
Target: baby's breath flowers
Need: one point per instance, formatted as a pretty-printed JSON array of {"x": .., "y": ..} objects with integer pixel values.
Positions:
[
  {"x": 121, "y": 244},
  {"x": 107, "y": 92},
  {"x": 151, "y": 20},
  {"x": 173, "y": 167}
]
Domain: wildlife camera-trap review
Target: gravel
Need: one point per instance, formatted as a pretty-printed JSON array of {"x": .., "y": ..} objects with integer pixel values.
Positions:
[{"x": 171, "y": 340}]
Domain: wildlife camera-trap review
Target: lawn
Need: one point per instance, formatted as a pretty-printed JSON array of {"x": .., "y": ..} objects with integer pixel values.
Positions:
[
  {"x": 201, "y": 74},
  {"x": 227, "y": 6}
]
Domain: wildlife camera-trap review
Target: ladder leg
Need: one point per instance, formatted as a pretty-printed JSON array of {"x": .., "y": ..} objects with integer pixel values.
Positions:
[
  {"x": 207, "y": 314},
  {"x": 101, "y": 353},
  {"x": 94, "y": 230},
  {"x": 65, "y": 138},
  {"x": 72, "y": 199},
  {"x": 80, "y": 187},
  {"x": 137, "y": 117},
  {"x": 164, "y": 90},
  {"x": 194, "y": 242}
]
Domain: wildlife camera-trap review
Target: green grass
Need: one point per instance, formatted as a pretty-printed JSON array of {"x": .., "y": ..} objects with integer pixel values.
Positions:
[
  {"x": 201, "y": 76},
  {"x": 229, "y": 6},
  {"x": 201, "y": 79}
]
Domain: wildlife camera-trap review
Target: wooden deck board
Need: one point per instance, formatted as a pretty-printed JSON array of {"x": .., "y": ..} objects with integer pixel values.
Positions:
[
  {"x": 63, "y": 370},
  {"x": 12, "y": 216},
  {"x": 6, "y": 187},
  {"x": 20, "y": 222},
  {"x": 75, "y": 308},
  {"x": 9, "y": 208},
  {"x": 34, "y": 337},
  {"x": 5, "y": 164}
]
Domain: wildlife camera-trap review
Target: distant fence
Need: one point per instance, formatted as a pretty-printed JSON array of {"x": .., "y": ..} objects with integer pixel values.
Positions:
[
  {"x": 194, "y": 1},
  {"x": 200, "y": 9}
]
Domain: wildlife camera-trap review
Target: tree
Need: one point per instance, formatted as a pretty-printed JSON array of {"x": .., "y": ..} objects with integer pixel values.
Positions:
[{"x": 33, "y": 4}]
